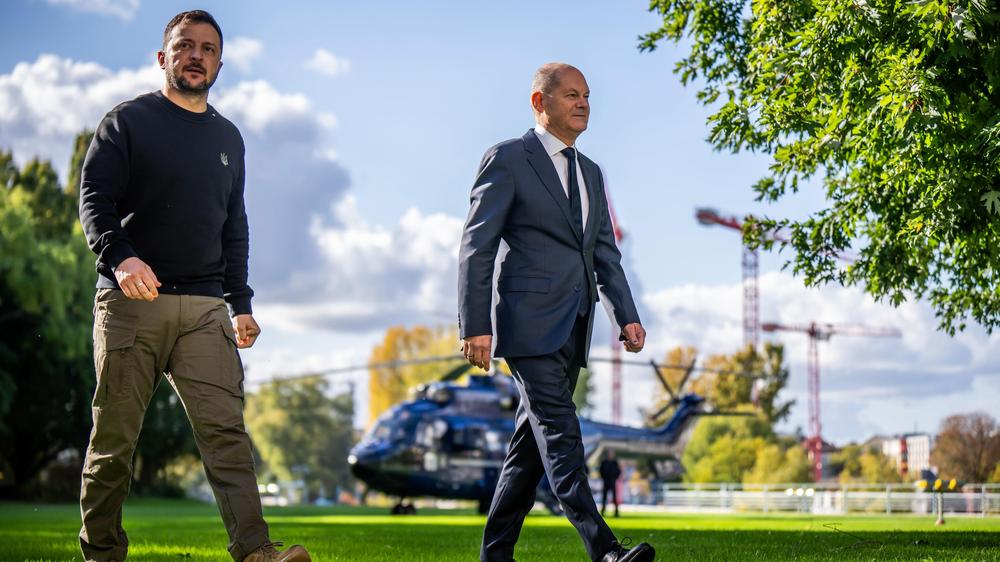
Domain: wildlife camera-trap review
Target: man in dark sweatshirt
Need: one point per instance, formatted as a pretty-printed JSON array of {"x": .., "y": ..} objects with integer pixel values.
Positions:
[{"x": 161, "y": 203}]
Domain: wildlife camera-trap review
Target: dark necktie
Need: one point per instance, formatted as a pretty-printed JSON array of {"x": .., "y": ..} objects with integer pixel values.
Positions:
[{"x": 574, "y": 191}]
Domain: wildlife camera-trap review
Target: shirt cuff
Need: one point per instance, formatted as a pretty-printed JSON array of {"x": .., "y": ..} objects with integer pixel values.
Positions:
[
  {"x": 117, "y": 252},
  {"x": 239, "y": 305}
]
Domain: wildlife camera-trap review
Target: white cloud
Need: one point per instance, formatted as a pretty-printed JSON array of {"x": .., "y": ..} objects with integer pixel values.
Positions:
[
  {"x": 370, "y": 277},
  {"x": 241, "y": 52},
  {"x": 258, "y": 106},
  {"x": 123, "y": 9},
  {"x": 868, "y": 385},
  {"x": 316, "y": 261},
  {"x": 43, "y": 104},
  {"x": 290, "y": 176},
  {"x": 291, "y": 181},
  {"x": 328, "y": 64}
]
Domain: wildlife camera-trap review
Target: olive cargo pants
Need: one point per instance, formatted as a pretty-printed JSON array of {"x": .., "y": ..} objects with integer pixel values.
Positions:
[{"x": 189, "y": 339}]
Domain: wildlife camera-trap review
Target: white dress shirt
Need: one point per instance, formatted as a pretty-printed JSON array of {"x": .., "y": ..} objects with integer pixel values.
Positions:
[{"x": 554, "y": 147}]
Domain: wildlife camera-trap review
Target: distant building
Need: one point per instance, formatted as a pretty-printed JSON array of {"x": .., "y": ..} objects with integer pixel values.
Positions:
[
  {"x": 826, "y": 452},
  {"x": 910, "y": 451}
]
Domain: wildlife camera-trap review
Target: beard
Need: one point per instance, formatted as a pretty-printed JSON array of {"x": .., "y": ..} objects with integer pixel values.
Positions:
[{"x": 178, "y": 82}]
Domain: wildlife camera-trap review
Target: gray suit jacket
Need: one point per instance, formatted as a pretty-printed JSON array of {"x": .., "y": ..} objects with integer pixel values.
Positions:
[{"x": 549, "y": 269}]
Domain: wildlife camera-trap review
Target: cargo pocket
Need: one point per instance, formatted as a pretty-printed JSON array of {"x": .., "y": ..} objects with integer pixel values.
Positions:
[
  {"x": 114, "y": 350},
  {"x": 230, "y": 365},
  {"x": 228, "y": 332}
]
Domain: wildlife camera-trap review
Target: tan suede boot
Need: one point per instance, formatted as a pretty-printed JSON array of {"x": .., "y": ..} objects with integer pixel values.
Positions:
[{"x": 267, "y": 553}]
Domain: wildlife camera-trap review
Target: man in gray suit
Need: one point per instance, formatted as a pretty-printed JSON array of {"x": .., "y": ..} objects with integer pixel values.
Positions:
[{"x": 546, "y": 201}]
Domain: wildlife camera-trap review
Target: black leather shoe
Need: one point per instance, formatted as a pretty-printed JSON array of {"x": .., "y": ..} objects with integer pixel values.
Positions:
[{"x": 642, "y": 552}]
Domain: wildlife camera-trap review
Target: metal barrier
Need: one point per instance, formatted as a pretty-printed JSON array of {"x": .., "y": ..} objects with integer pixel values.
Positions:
[{"x": 826, "y": 498}]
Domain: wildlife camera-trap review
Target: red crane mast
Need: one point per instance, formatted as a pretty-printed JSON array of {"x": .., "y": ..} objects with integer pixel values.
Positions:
[{"x": 817, "y": 332}]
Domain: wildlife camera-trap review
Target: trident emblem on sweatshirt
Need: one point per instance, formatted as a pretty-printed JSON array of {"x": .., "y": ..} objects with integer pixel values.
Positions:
[{"x": 225, "y": 158}]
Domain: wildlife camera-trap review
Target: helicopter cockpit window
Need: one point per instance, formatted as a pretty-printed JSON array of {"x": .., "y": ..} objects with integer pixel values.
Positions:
[
  {"x": 381, "y": 431},
  {"x": 469, "y": 437},
  {"x": 430, "y": 432},
  {"x": 389, "y": 425},
  {"x": 478, "y": 404}
]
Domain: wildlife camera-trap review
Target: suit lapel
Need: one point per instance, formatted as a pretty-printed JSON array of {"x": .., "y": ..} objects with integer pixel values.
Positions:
[{"x": 542, "y": 164}]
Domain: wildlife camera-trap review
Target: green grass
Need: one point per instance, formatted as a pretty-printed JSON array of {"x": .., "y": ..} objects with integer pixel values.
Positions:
[{"x": 189, "y": 531}]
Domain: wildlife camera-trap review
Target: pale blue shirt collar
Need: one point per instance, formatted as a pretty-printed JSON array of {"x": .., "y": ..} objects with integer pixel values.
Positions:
[{"x": 551, "y": 143}]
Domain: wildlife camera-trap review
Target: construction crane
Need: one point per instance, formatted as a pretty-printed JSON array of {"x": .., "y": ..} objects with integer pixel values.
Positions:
[
  {"x": 751, "y": 269},
  {"x": 750, "y": 263},
  {"x": 822, "y": 332}
]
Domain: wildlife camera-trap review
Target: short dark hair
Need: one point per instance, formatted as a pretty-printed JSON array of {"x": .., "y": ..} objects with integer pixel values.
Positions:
[{"x": 194, "y": 16}]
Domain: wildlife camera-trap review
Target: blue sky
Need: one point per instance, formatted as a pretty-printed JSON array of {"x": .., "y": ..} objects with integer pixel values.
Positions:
[{"x": 364, "y": 126}]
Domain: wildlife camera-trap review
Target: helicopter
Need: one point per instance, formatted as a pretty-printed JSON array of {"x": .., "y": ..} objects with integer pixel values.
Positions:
[{"x": 449, "y": 440}]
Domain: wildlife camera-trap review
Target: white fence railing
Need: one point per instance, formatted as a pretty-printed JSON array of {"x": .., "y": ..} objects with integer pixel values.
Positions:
[{"x": 975, "y": 499}]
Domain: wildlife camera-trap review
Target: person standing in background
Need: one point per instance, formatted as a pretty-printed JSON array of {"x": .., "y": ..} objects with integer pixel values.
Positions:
[{"x": 610, "y": 471}]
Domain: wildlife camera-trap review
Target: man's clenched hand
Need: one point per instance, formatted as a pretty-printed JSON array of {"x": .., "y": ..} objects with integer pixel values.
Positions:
[
  {"x": 246, "y": 329},
  {"x": 477, "y": 350},
  {"x": 634, "y": 337}
]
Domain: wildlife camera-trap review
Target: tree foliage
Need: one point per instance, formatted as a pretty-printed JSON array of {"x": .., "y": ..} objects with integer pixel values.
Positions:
[
  {"x": 967, "y": 447},
  {"x": 723, "y": 449},
  {"x": 303, "y": 433},
  {"x": 860, "y": 464},
  {"x": 846, "y": 462},
  {"x": 745, "y": 378},
  {"x": 745, "y": 448},
  {"x": 46, "y": 364},
  {"x": 777, "y": 464},
  {"x": 388, "y": 385},
  {"x": 46, "y": 293},
  {"x": 877, "y": 468},
  {"x": 729, "y": 458},
  {"x": 583, "y": 392},
  {"x": 758, "y": 377},
  {"x": 892, "y": 105},
  {"x": 166, "y": 436}
]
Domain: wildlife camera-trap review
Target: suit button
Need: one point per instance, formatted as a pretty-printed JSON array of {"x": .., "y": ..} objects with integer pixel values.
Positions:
[{"x": 576, "y": 287}]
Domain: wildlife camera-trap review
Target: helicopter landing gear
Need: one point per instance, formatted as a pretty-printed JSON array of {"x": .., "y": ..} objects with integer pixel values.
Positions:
[{"x": 403, "y": 508}]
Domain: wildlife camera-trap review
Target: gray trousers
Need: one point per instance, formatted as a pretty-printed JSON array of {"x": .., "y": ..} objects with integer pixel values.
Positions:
[{"x": 190, "y": 340}]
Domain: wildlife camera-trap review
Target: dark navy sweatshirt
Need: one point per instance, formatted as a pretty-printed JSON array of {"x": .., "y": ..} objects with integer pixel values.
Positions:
[{"x": 165, "y": 184}]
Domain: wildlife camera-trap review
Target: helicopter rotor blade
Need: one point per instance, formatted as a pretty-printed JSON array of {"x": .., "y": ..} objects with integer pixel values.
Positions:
[
  {"x": 656, "y": 415},
  {"x": 687, "y": 375},
  {"x": 663, "y": 380}
]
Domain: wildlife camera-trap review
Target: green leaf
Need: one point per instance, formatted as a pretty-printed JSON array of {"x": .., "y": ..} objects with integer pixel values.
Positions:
[
  {"x": 888, "y": 109},
  {"x": 992, "y": 200}
]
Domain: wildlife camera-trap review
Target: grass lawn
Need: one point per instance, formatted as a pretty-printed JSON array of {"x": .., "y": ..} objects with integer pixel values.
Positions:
[{"x": 189, "y": 531}]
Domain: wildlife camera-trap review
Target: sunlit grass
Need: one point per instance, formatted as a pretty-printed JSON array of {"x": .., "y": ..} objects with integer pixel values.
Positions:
[{"x": 190, "y": 531}]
